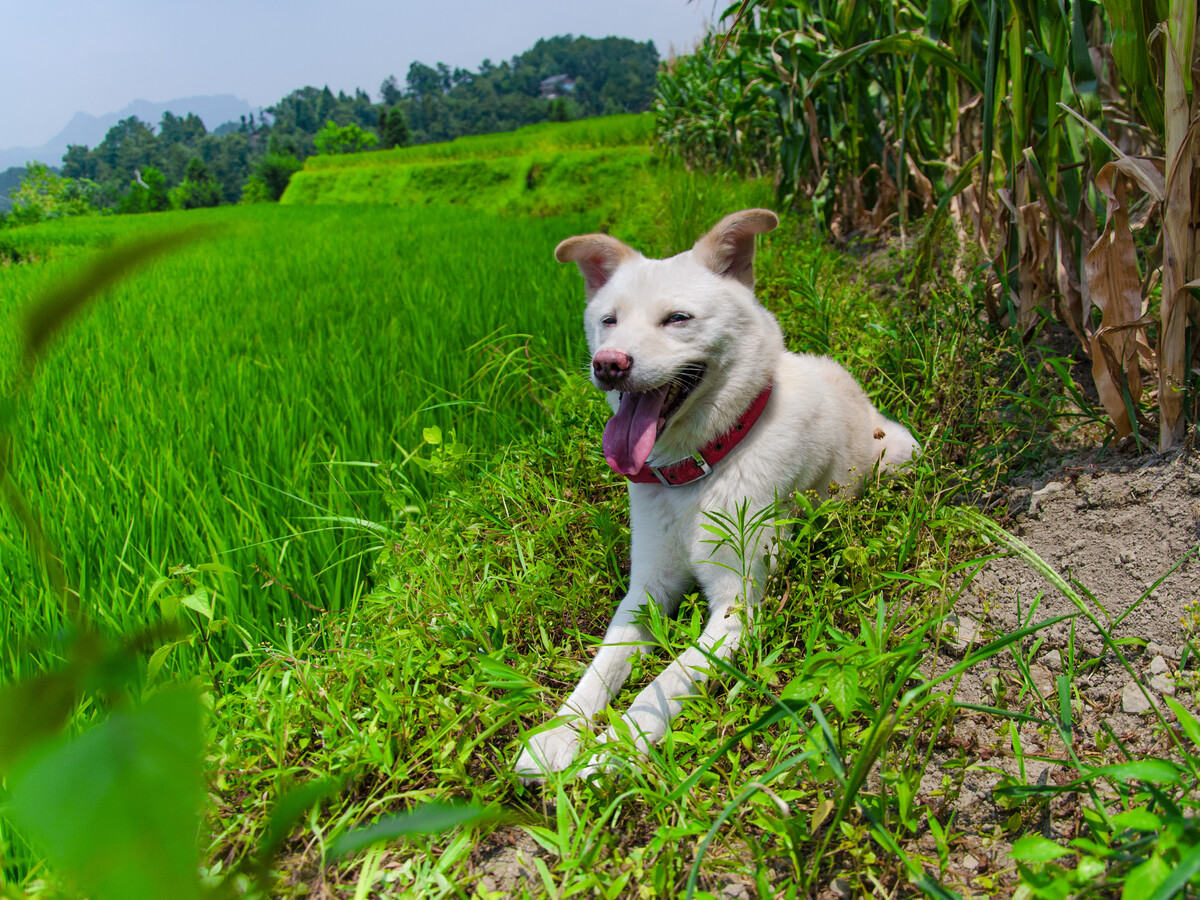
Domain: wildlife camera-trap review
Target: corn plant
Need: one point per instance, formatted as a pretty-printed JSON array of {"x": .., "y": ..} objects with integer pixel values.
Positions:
[{"x": 1002, "y": 117}]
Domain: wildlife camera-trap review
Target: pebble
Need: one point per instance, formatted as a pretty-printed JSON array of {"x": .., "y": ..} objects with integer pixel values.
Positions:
[
  {"x": 1053, "y": 661},
  {"x": 962, "y": 631},
  {"x": 1133, "y": 700},
  {"x": 1164, "y": 684},
  {"x": 1158, "y": 665},
  {"x": 1156, "y": 649},
  {"x": 1038, "y": 496},
  {"x": 841, "y": 887},
  {"x": 1043, "y": 679}
]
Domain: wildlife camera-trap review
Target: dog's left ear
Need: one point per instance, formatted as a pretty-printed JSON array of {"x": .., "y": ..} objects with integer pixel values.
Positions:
[{"x": 729, "y": 248}]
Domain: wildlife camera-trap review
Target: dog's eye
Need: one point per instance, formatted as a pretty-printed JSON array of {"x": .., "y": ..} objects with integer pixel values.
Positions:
[
  {"x": 676, "y": 318},
  {"x": 609, "y": 320}
]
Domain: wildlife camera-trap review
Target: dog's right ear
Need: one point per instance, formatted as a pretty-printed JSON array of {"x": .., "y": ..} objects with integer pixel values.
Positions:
[
  {"x": 728, "y": 249},
  {"x": 597, "y": 256}
]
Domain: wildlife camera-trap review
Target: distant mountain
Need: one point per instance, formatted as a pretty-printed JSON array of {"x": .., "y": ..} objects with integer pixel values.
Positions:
[{"x": 90, "y": 130}]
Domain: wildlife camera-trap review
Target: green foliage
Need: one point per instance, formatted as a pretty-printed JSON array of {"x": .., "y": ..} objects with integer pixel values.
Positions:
[
  {"x": 607, "y": 76},
  {"x": 271, "y": 177},
  {"x": 610, "y": 75},
  {"x": 118, "y": 806},
  {"x": 256, "y": 191},
  {"x": 197, "y": 190},
  {"x": 393, "y": 129},
  {"x": 147, "y": 193},
  {"x": 44, "y": 195},
  {"x": 379, "y": 549},
  {"x": 343, "y": 139}
]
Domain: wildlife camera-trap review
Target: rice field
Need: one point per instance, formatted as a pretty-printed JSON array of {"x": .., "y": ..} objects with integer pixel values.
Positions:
[{"x": 232, "y": 403}]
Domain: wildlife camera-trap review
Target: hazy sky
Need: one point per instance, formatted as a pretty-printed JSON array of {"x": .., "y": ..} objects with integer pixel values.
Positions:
[{"x": 60, "y": 57}]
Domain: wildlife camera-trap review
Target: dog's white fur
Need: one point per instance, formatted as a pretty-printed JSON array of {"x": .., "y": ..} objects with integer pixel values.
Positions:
[{"x": 818, "y": 428}]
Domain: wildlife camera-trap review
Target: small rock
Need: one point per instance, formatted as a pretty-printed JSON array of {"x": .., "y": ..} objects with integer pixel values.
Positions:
[
  {"x": 1158, "y": 665},
  {"x": 1133, "y": 700},
  {"x": 735, "y": 890},
  {"x": 1037, "y": 497},
  {"x": 1042, "y": 679},
  {"x": 970, "y": 863},
  {"x": 1156, "y": 649},
  {"x": 841, "y": 887},
  {"x": 1053, "y": 661},
  {"x": 1125, "y": 558},
  {"x": 1164, "y": 684},
  {"x": 961, "y": 631}
]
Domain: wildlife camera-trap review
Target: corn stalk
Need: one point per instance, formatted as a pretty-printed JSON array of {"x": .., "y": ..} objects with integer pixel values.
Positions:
[
  {"x": 1180, "y": 217},
  {"x": 991, "y": 114}
]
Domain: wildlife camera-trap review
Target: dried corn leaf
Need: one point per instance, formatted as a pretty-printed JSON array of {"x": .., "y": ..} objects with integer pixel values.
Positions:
[
  {"x": 1114, "y": 285},
  {"x": 1075, "y": 307},
  {"x": 1035, "y": 251}
]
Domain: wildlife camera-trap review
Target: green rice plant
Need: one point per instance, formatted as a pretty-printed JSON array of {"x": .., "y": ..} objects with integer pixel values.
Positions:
[{"x": 211, "y": 408}]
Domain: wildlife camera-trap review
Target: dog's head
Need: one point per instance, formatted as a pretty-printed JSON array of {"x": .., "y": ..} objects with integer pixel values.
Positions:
[{"x": 679, "y": 342}]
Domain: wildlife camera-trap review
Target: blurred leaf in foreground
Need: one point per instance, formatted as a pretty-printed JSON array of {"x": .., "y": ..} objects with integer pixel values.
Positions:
[{"x": 116, "y": 809}]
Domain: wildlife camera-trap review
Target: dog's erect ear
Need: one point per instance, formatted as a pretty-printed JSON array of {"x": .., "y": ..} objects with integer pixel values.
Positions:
[
  {"x": 729, "y": 248},
  {"x": 597, "y": 256}
]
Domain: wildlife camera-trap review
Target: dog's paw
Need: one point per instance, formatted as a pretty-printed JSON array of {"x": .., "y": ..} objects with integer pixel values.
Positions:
[{"x": 547, "y": 752}]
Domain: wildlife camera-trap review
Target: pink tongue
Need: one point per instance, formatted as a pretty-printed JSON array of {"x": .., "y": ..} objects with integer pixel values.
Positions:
[{"x": 629, "y": 435}]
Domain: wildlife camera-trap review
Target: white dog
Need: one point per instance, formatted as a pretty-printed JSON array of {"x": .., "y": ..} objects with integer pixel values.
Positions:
[{"x": 710, "y": 414}]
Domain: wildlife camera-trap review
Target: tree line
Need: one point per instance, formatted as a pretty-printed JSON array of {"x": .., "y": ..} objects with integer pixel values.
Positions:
[{"x": 179, "y": 163}]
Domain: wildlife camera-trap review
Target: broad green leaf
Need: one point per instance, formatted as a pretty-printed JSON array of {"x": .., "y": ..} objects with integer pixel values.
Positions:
[
  {"x": 842, "y": 684},
  {"x": 1186, "y": 721},
  {"x": 1142, "y": 882},
  {"x": 33, "y": 710},
  {"x": 1139, "y": 819},
  {"x": 1179, "y": 876},
  {"x": 432, "y": 435},
  {"x": 159, "y": 657},
  {"x": 904, "y": 44},
  {"x": 116, "y": 809},
  {"x": 199, "y": 602},
  {"x": 803, "y": 687},
  {"x": 1035, "y": 848}
]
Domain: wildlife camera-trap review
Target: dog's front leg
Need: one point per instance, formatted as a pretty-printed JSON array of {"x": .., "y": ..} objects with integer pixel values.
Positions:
[
  {"x": 556, "y": 748},
  {"x": 733, "y": 599}
]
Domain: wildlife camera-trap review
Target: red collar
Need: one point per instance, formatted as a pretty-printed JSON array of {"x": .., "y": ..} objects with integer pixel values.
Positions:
[{"x": 701, "y": 462}]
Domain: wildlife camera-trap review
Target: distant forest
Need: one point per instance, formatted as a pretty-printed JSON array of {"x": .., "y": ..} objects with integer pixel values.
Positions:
[{"x": 560, "y": 78}]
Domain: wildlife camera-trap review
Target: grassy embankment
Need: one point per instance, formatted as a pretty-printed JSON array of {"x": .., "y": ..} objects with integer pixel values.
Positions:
[{"x": 418, "y": 371}]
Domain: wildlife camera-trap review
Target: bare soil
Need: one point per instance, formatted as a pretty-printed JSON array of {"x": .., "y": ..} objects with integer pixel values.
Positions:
[{"x": 1124, "y": 531}]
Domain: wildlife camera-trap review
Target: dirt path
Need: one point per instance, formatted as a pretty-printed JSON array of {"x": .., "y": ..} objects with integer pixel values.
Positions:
[{"x": 1115, "y": 526}]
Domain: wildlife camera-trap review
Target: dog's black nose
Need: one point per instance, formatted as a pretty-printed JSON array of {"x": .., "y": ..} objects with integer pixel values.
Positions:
[{"x": 611, "y": 366}]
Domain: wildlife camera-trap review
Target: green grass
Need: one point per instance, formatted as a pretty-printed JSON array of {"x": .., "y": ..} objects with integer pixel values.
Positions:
[
  {"x": 593, "y": 167},
  {"x": 538, "y": 184}
]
